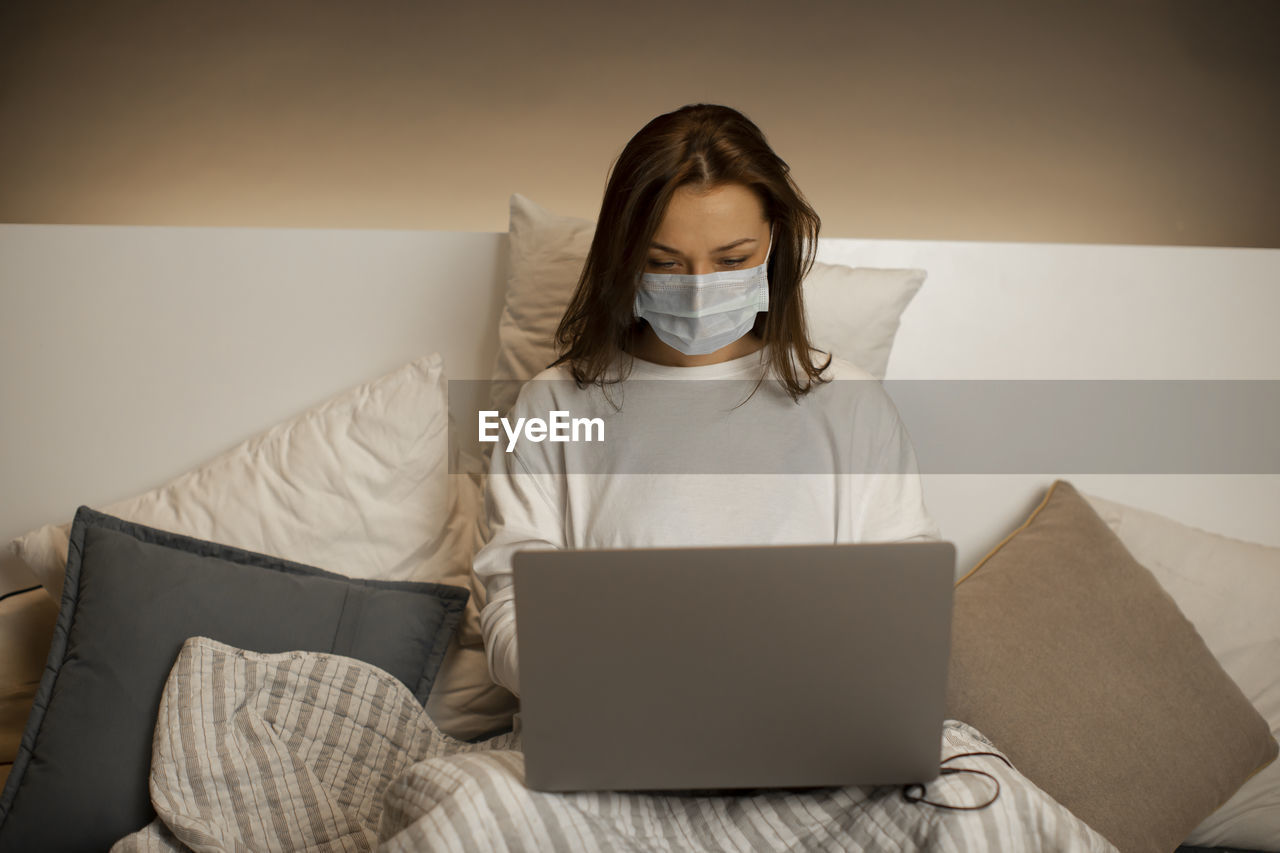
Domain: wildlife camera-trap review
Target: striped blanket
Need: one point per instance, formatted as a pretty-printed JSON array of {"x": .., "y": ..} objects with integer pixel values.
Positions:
[{"x": 310, "y": 751}]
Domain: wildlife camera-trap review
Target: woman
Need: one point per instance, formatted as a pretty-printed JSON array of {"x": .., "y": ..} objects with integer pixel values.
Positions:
[{"x": 695, "y": 272}]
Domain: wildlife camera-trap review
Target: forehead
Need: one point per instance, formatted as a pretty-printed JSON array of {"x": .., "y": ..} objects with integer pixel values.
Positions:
[{"x": 723, "y": 213}]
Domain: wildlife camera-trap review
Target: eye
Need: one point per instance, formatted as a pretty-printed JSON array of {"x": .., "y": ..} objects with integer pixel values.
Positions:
[
  {"x": 732, "y": 262},
  {"x": 661, "y": 265}
]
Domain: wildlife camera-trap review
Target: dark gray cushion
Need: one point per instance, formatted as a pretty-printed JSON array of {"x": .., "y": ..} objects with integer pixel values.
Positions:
[{"x": 132, "y": 596}]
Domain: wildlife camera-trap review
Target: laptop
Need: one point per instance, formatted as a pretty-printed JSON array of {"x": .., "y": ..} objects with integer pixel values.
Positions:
[{"x": 709, "y": 668}]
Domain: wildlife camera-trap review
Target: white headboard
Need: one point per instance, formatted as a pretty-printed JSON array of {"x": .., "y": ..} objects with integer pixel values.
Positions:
[{"x": 130, "y": 354}]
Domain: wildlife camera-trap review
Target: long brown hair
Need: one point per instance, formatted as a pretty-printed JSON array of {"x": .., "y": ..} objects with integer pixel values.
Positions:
[{"x": 703, "y": 145}]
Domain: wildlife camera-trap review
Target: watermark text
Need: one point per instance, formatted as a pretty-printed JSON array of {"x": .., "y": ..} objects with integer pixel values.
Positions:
[{"x": 559, "y": 427}]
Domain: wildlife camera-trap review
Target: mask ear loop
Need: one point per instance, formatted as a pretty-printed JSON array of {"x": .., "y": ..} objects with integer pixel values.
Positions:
[{"x": 763, "y": 277}]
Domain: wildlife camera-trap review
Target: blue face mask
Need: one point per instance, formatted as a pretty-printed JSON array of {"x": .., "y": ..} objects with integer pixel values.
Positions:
[{"x": 698, "y": 314}]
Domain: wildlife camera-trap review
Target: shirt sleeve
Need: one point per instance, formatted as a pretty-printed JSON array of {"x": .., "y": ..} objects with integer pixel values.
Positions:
[
  {"x": 893, "y": 507},
  {"x": 525, "y": 512}
]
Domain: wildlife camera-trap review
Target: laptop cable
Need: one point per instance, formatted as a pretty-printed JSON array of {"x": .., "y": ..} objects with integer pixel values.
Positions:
[{"x": 915, "y": 792}]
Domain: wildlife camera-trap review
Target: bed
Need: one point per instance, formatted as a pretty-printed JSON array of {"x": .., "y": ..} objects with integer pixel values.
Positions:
[{"x": 242, "y": 503}]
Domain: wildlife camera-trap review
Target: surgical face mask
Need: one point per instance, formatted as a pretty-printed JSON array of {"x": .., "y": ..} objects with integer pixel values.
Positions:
[{"x": 698, "y": 314}]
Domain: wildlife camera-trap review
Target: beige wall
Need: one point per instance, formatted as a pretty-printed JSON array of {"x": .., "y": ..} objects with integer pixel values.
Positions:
[{"x": 1132, "y": 121}]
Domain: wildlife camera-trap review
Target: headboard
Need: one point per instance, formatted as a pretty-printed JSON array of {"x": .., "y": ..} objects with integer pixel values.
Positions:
[{"x": 130, "y": 354}]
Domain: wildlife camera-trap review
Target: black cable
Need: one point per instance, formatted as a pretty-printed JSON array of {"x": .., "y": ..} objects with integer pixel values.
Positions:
[
  {"x": 918, "y": 797},
  {"x": 19, "y": 591}
]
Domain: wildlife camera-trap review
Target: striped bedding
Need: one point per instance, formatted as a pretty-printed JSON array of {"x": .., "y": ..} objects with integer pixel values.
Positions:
[{"x": 310, "y": 751}]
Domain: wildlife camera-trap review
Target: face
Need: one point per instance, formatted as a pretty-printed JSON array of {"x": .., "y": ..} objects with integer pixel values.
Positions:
[{"x": 706, "y": 231}]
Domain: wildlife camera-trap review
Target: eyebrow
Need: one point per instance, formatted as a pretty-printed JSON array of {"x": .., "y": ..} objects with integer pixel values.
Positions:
[{"x": 724, "y": 248}]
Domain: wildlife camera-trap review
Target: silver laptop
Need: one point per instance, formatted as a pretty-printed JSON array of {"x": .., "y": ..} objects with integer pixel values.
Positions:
[{"x": 777, "y": 666}]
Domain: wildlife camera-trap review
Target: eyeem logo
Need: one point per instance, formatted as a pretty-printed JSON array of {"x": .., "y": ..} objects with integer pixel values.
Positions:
[{"x": 559, "y": 428}]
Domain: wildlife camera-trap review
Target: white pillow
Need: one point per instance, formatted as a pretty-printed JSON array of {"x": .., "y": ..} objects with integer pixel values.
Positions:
[
  {"x": 852, "y": 312},
  {"x": 359, "y": 485},
  {"x": 1230, "y": 590}
]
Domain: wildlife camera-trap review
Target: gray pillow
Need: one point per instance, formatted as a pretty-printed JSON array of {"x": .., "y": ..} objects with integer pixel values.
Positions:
[{"x": 131, "y": 597}]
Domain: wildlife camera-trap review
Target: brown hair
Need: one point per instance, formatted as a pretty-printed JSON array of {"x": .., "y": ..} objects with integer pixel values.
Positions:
[{"x": 703, "y": 145}]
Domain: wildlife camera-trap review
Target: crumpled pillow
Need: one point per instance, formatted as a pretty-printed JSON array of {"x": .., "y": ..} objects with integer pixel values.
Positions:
[{"x": 359, "y": 485}]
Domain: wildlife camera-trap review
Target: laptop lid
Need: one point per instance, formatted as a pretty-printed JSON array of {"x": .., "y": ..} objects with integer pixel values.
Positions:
[{"x": 733, "y": 667}]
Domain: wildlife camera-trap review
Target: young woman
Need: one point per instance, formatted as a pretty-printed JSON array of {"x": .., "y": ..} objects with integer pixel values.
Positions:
[{"x": 695, "y": 273}]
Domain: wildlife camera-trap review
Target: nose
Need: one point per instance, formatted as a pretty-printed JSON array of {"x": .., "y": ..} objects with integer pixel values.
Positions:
[{"x": 702, "y": 267}]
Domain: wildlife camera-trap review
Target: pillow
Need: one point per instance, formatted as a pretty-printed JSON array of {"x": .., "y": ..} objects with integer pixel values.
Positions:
[
  {"x": 359, "y": 483},
  {"x": 131, "y": 597},
  {"x": 26, "y": 628},
  {"x": 853, "y": 312},
  {"x": 1069, "y": 656},
  {"x": 1230, "y": 590}
]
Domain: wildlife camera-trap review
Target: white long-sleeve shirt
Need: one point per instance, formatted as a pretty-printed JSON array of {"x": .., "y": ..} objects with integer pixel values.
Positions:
[{"x": 679, "y": 467}]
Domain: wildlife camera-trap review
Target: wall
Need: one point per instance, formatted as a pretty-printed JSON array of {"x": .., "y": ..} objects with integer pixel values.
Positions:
[{"x": 1138, "y": 121}]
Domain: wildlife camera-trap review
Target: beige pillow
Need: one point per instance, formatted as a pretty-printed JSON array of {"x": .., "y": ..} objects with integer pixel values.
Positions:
[
  {"x": 1230, "y": 590},
  {"x": 359, "y": 485},
  {"x": 1073, "y": 660},
  {"x": 26, "y": 629},
  {"x": 852, "y": 312}
]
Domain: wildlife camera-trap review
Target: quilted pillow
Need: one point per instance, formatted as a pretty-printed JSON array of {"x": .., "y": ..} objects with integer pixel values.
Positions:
[{"x": 132, "y": 595}]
